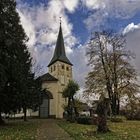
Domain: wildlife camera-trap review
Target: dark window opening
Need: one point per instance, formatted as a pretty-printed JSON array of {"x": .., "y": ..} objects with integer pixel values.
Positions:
[
  {"x": 62, "y": 66},
  {"x": 67, "y": 68}
]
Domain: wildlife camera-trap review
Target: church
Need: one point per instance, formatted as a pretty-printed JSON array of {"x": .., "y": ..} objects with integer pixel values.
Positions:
[{"x": 57, "y": 78}]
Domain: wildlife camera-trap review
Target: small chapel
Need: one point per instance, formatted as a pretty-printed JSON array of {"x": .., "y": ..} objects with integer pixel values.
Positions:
[{"x": 58, "y": 76}]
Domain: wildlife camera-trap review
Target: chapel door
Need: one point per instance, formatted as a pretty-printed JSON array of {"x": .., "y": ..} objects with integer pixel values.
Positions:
[{"x": 44, "y": 109}]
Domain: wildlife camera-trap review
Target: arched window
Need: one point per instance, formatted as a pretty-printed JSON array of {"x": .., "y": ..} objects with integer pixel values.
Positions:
[
  {"x": 67, "y": 68},
  {"x": 63, "y": 67}
]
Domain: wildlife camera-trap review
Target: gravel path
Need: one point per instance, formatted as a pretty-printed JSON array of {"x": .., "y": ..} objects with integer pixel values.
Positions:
[{"x": 49, "y": 130}]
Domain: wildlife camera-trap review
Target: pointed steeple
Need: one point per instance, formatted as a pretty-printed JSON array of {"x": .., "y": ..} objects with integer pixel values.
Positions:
[{"x": 59, "y": 53}]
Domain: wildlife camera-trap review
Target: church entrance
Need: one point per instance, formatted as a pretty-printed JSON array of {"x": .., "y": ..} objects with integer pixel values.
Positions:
[{"x": 44, "y": 110}]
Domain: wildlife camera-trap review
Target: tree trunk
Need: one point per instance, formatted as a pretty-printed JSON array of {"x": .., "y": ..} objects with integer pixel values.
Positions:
[
  {"x": 70, "y": 111},
  {"x": 102, "y": 110},
  {"x": 75, "y": 109},
  {"x": 114, "y": 106},
  {"x": 118, "y": 106},
  {"x": 115, "y": 75},
  {"x": 25, "y": 114},
  {"x": 1, "y": 120},
  {"x": 102, "y": 124}
]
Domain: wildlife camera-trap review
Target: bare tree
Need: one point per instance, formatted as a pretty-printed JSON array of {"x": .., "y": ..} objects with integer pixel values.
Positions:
[{"x": 112, "y": 74}]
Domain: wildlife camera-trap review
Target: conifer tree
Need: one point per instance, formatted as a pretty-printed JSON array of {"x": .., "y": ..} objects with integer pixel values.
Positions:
[{"x": 16, "y": 78}]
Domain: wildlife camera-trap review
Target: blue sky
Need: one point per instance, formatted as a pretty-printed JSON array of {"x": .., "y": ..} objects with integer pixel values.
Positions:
[
  {"x": 40, "y": 19},
  {"x": 82, "y": 12}
]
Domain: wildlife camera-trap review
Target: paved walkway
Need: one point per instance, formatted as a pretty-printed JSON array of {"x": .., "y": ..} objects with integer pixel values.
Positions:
[{"x": 49, "y": 130}]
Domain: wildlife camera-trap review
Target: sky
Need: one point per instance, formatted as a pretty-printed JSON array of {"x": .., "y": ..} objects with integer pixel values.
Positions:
[{"x": 80, "y": 18}]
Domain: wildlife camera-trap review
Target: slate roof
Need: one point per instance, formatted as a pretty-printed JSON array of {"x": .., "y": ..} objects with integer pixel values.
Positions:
[
  {"x": 59, "y": 53},
  {"x": 47, "y": 77}
]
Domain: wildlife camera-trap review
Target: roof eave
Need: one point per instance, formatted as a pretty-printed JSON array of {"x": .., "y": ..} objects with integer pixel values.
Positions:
[{"x": 60, "y": 61}]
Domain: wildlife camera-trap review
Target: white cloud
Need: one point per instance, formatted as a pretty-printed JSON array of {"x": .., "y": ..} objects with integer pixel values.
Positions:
[
  {"x": 47, "y": 38},
  {"x": 41, "y": 25},
  {"x": 29, "y": 29},
  {"x": 94, "y": 4},
  {"x": 71, "y": 5},
  {"x": 96, "y": 20},
  {"x": 132, "y": 33},
  {"x": 44, "y": 23},
  {"x": 131, "y": 27},
  {"x": 79, "y": 61},
  {"x": 101, "y": 9}
]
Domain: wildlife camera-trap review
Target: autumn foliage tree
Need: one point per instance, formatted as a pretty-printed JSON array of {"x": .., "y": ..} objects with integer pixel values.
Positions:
[{"x": 111, "y": 72}]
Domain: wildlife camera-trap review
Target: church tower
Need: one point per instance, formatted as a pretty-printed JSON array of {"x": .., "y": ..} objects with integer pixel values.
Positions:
[
  {"x": 57, "y": 78},
  {"x": 60, "y": 67}
]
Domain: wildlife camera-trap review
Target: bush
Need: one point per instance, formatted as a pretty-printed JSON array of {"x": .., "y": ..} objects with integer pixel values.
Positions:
[
  {"x": 133, "y": 115},
  {"x": 87, "y": 120},
  {"x": 117, "y": 119},
  {"x": 83, "y": 120}
]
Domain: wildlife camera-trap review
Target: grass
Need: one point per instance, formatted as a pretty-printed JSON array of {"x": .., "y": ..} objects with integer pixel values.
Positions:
[
  {"x": 19, "y": 130},
  {"x": 128, "y": 130}
]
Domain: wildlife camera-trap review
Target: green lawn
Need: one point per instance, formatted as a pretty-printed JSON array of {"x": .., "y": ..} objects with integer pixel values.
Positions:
[
  {"x": 19, "y": 130},
  {"x": 128, "y": 130}
]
